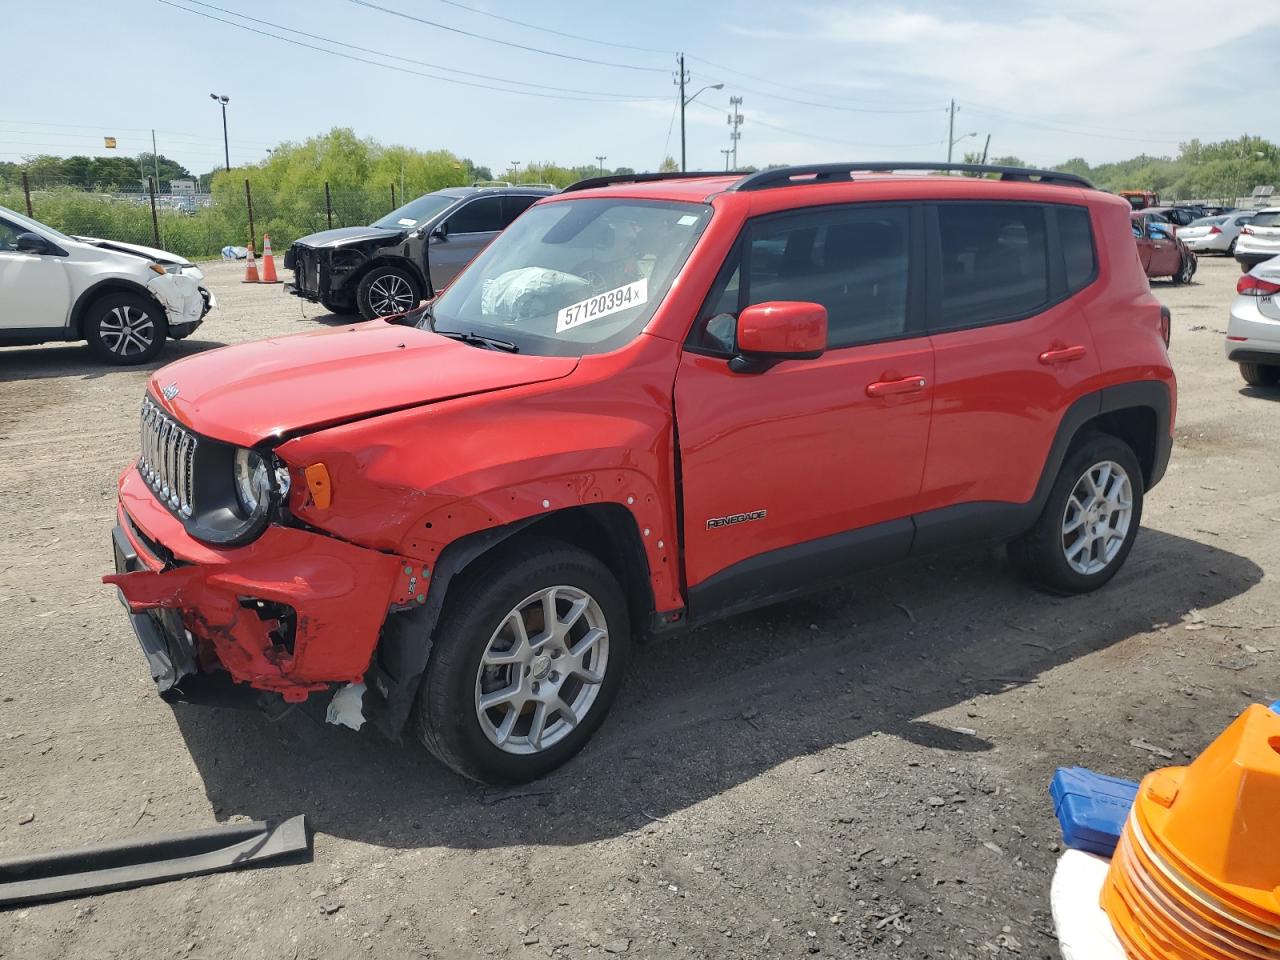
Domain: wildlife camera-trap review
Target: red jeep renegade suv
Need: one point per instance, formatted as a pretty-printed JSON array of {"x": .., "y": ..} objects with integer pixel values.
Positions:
[{"x": 651, "y": 402}]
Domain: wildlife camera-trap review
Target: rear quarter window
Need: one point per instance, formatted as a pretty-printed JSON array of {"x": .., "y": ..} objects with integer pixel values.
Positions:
[{"x": 1076, "y": 236}]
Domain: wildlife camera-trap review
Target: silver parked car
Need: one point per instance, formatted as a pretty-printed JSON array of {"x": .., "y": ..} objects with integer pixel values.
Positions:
[
  {"x": 1215, "y": 234},
  {"x": 1253, "y": 332}
]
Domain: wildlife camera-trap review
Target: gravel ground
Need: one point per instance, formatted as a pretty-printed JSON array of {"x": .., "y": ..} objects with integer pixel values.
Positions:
[{"x": 858, "y": 774}]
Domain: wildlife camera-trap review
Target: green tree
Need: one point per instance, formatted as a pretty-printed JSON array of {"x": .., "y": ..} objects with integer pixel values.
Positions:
[{"x": 668, "y": 165}]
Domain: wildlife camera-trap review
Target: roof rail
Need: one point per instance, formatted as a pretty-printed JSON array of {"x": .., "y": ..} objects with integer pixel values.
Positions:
[
  {"x": 829, "y": 172},
  {"x": 591, "y": 182},
  {"x": 491, "y": 183},
  {"x": 536, "y": 186}
]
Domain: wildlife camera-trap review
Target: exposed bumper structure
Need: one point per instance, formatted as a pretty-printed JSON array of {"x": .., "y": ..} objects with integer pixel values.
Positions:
[{"x": 291, "y": 613}]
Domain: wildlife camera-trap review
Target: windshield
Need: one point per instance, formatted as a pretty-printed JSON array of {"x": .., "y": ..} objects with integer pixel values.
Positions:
[
  {"x": 416, "y": 212},
  {"x": 573, "y": 277},
  {"x": 1268, "y": 219}
]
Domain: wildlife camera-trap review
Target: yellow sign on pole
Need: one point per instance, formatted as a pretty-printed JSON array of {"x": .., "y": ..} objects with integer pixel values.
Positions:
[{"x": 109, "y": 142}]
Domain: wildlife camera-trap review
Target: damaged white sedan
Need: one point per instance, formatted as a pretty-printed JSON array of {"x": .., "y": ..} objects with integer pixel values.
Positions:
[{"x": 123, "y": 299}]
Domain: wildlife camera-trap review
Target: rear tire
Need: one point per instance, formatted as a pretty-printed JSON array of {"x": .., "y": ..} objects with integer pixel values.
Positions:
[
  {"x": 1231, "y": 250},
  {"x": 1260, "y": 374},
  {"x": 1186, "y": 270},
  {"x": 1089, "y": 521},
  {"x": 492, "y": 642},
  {"x": 125, "y": 328},
  {"x": 386, "y": 291}
]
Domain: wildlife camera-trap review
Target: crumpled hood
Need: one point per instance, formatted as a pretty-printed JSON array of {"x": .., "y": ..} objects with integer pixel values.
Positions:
[
  {"x": 256, "y": 391},
  {"x": 137, "y": 249},
  {"x": 344, "y": 235}
]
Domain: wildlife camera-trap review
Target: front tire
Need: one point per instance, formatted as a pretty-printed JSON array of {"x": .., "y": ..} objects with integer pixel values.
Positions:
[
  {"x": 1186, "y": 270},
  {"x": 385, "y": 291},
  {"x": 527, "y": 659},
  {"x": 125, "y": 328},
  {"x": 1260, "y": 374},
  {"x": 1089, "y": 522}
]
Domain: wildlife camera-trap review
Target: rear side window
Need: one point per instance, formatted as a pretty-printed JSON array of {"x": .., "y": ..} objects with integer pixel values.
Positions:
[
  {"x": 1077, "y": 246},
  {"x": 1265, "y": 220},
  {"x": 995, "y": 263},
  {"x": 512, "y": 207}
]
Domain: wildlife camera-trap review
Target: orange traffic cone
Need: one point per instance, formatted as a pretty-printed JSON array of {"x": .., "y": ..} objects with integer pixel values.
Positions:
[
  {"x": 268, "y": 262},
  {"x": 251, "y": 268},
  {"x": 1197, "y": 872}
]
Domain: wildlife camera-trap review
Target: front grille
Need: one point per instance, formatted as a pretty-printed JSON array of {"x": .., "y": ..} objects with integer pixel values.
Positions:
[{"x": 168, "y": 459}]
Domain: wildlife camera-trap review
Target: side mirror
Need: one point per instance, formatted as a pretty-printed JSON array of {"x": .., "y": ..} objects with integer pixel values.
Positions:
[
  {"x": 30, "y": 243},
  {"x": 779, "y": 330},
  {"x": 441, "y": 232}
]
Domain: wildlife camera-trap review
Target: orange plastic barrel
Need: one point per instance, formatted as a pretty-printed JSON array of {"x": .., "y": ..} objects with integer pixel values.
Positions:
[{"x": 1196, "y": 875}]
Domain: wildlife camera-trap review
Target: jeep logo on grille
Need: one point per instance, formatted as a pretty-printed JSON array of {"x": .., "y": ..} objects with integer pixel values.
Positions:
[
  {"x": 736, "y": 518},
  {"x": 170, "y": 391}
]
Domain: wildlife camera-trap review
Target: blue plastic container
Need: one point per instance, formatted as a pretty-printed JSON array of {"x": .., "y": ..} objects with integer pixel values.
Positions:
[
  {"x": 1275, "y": 707},
  {"x": 1092, "y": 808}
]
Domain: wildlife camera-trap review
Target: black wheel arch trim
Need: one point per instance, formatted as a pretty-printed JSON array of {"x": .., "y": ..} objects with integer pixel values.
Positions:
[{"x": 407, "y": 637}]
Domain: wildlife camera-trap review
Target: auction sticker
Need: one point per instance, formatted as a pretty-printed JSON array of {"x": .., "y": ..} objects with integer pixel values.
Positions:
[{"x": 602, "y": 305}]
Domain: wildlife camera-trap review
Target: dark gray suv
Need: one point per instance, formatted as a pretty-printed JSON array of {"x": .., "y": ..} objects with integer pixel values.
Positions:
[{"x": 409, "y": 255}]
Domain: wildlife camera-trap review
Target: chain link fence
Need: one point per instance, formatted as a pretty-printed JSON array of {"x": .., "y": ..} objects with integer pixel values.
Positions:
[{"x": 199, "y": 226}]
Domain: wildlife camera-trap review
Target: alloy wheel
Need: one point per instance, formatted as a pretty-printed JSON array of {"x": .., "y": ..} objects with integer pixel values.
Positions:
[
  {"x": 127, "y": 331},
  {"x": 541, "y": 670},
  {"x": 389, "y": 294},
  {"x": 1096, "y": 520}
]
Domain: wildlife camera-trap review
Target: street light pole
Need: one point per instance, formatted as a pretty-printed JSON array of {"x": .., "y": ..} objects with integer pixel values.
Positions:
[
  {"x": 600, "y": 158},
  {"x": 684, "y": 102},
  {"x": 727, "y": 151},
  {"x": 226, "y": 146}
]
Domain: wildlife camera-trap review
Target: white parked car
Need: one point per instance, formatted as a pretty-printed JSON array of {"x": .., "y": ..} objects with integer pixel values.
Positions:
[
  {"x": 1259, "y": 239},
  {"x": 1215, "y": 234},
  {"x": 1253, "y": 332},
  {"x": 123, "y": 299}
]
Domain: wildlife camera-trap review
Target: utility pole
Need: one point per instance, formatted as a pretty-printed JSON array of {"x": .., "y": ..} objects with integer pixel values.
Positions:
[
  {"x": 226, "y": 149},
  {"x": 515, "y": 166},
  {"x": 735, "y": 121},
  {"x": 951, "y": 130},
  {"x": 682, "y": 80},
  {"x": 600, "y": 159},
  {"x": 726, "y": 151},
  {"x": 155, "y": 158},
  {"x": 985, "y": 148}
]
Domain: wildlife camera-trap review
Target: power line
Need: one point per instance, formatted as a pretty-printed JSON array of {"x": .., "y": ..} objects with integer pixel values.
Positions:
[
  {"x": 774, "y": 83},
  {"x": 413, "y": 60},
  {"x": 505, "y": 43},
  {"x": 385, "y": 66},
  {"x": 755, "y": 122},
  {"x": 814, "y": 103},
  {"x": 558, "y": 33},
  {"x": 1078, "y": 133}
]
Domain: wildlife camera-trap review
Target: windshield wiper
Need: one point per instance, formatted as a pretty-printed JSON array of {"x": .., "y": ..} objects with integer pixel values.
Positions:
[{"x": 475, "y": 340}]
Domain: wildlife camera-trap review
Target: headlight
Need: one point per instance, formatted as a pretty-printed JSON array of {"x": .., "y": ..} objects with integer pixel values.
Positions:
[{"x": 253, "y": 481}]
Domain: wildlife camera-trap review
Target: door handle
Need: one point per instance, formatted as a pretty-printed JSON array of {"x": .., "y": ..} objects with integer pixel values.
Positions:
[
  {"x": 1062, "y": 355},
  {"x": 888, "y": 388}
]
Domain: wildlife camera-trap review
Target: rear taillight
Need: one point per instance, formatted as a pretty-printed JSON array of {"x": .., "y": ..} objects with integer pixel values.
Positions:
[
  {"x": 1248, "y": 230},
  {"x": 1252, "y": 286},
  {"x": 1166, "y": 324},
  {"x": 1215, "y": 229}
]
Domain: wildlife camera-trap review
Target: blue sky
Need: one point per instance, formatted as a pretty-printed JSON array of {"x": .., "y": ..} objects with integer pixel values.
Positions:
[{"x": 819, "y": 81}]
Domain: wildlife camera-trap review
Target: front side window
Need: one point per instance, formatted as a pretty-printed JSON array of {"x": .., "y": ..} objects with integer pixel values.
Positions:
[
  {"x": 573, "y": 277},
  {"x": 853, "y": 260},
  {"x": 8, "y": 236},
  {"x": 995, "y": 264},
  {"x": 478, "y": 216}
]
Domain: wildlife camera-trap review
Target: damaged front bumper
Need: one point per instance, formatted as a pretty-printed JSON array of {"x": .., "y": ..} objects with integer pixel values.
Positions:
[
  {"x": 289, "y": 614},
  {"x": 185, "y": 302}
]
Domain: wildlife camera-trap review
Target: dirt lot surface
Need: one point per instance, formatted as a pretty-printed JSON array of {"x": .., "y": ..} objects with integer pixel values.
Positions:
[{"x": 858, "y": 774}]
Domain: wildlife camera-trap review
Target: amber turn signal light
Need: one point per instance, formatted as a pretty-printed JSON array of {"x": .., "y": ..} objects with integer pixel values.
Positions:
[{"x": 318, "y": 485}]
